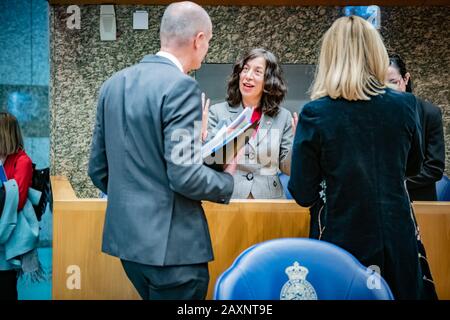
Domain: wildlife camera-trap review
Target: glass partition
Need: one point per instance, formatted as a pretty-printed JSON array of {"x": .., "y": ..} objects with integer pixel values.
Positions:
[{"x": 24, "y": 92}]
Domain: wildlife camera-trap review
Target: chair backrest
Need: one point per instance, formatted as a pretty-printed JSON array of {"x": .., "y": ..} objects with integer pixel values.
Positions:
[
  {"x": 259, "y": 273},
  {"x": 443, "y": 189}
]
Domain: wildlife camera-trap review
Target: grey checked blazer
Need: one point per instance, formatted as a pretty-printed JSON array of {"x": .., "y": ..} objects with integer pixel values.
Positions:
[{"x": 266, "y": 154}]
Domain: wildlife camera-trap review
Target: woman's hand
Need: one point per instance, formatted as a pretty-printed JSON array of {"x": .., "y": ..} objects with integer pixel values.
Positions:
[
  {"x": 205, "y": 112},
  {"x": 294, "y": 122}
]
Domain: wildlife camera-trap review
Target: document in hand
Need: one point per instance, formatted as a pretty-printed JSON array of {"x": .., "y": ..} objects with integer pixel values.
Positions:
[
  {"x": 3, "y": 177},
  {"x": 225, "y": 145}
]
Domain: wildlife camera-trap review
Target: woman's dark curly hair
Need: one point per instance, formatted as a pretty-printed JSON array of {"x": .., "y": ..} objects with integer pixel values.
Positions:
[{"x": 274, "y": 85}]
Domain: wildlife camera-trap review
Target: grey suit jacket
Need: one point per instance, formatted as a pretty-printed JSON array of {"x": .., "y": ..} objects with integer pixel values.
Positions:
[
  {"x": 265, "y": 155},
  {"x": 142, "y": 140}
]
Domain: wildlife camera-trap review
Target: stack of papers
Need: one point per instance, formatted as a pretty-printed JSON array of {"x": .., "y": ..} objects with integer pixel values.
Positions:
[{"x": 225, "y": 145}]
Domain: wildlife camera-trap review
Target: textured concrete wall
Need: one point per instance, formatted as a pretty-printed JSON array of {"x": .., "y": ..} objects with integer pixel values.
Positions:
[{"x": 81, "y": 62}]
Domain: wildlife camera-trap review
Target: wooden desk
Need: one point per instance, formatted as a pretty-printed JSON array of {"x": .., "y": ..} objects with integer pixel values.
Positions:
[{"x": 78, "y": 227}]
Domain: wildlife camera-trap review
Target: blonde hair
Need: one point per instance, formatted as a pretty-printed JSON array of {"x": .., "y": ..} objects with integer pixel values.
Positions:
[
  {"x": 353, "y": 61},
  {"x": 11, "y": 140}
]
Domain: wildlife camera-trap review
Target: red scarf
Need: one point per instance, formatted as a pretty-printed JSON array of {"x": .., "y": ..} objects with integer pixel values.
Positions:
[{"x": 256, "y": 117}]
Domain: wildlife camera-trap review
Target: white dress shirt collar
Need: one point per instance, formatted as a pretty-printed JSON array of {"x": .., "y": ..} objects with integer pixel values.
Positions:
[{"x": 172, "y": 58}]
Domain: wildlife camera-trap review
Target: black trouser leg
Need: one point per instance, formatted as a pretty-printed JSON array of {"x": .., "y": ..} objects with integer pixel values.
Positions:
[
  {"x": 184, "y": 282},
  {"x": 8, "y": 285}
]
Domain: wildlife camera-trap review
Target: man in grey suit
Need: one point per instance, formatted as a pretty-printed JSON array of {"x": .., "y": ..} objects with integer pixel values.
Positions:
[{"x": 143, "y": 136}]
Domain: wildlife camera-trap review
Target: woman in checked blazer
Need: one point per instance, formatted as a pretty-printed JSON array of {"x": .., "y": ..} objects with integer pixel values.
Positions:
[{"x": 256, "y": 82}]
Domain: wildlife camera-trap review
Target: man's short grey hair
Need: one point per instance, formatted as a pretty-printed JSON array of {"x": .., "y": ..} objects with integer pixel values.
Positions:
[{"x": 182, "y": 21}]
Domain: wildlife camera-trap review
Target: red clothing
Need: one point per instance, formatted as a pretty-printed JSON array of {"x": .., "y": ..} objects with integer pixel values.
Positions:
[
  {"x": 256, "y": 116},
  {"x": 18, "y": 166}
]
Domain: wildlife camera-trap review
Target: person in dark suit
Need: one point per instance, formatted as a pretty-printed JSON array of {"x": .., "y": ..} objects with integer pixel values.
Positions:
[
  {"x": 141, "y": 158},
  {"x": 422, "y": 187},
  {"x": 356, "y": 142}
]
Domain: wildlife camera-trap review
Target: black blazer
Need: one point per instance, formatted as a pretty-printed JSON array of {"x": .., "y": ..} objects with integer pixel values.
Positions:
[
  {"x": 423, "y": 186},
  {"x": 359, "y": 153}
]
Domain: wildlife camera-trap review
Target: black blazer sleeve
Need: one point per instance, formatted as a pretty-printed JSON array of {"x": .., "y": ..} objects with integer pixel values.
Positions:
[
  {"x": 306, "y": 175},
  {"x": 433, "y": 147},
  {"x": 415, "y": 156}
]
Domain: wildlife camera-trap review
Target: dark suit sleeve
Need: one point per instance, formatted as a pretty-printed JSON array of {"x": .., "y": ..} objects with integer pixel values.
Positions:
[
  {"x": 434, "y": 151},
  {"x": 306, "y": 176},
  {"x": 415, "y": 155},
  {"x": 187, "y": 175},
  {"x": 98, "y": 162}
]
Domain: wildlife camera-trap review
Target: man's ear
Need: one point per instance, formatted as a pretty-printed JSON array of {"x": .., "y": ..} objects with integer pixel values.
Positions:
[{"x": 198, "y": 39}]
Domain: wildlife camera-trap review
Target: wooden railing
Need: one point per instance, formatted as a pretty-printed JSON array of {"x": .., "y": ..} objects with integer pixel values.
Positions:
[{"x": 78, "y": 226}]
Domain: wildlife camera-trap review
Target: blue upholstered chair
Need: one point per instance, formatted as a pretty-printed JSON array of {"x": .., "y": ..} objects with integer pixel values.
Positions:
[
  {"x": 317, "y": 270},
  {"x": 443, "y": 189}
]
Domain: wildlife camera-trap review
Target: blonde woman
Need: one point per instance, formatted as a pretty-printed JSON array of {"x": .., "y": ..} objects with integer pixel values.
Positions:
[{"x": 355, "y": 144}]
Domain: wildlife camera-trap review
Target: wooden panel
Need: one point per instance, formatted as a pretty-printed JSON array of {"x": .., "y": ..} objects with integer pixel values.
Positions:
[
  {"x": 434, "y": 223},
  {"x": 77, "y": 233},
  {"x": 266, "y": 2},
  {"x": 78, "y": 226},
  {"x": 62, "y": 189}
]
